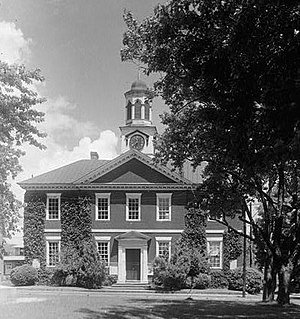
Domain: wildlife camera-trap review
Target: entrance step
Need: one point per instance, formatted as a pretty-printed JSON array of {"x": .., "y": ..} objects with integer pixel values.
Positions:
[{"x": 128, "y": 286}]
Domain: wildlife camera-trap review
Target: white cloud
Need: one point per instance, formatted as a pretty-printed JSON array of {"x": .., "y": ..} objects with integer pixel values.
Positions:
[
  {"x": 14, "y": 47},
  {"x": 69, "y": 139}
]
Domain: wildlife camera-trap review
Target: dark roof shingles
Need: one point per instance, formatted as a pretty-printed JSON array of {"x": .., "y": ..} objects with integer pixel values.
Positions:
[{"x": 66, "y": 174}]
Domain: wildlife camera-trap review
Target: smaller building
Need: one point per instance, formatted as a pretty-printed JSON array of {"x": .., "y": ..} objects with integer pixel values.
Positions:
[{"x": 13, "y": 257}]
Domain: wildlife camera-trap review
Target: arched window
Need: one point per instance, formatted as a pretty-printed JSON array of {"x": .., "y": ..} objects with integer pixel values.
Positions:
[
  {"x": 138, "y": 109},
  {"x": 128, "y": 111}
]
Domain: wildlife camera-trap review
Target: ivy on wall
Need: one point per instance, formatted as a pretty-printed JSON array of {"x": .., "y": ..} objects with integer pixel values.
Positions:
[
  {"x": 34, "y": 224},
  {"x": 76, "y": 221},
  {"x": 232, "y": 248}
]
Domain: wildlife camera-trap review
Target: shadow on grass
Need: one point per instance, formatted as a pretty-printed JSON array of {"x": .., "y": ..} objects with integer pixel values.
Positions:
[{"x": 157, "y": 309}]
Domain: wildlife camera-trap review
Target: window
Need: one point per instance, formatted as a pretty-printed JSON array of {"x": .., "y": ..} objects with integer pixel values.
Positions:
[
  {"x": 163, "y": 247},
  {"x": 102, "y": 206},
  {"x": 133, "y": 207},
  {"x": 163, "y": 206},
  {"x": 215, "y": 252},
  {"x": 52, "y": 253},
  {"x": 103, "y": 250},
  {"x": 53, "y": 207}
]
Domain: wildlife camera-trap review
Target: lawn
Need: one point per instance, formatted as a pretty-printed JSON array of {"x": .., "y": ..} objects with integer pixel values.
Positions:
[{"x": 87, "y": 304}]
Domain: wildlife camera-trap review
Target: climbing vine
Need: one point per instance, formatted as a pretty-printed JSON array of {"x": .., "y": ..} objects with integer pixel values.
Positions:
[
  {"x": 232, "y": 248},
  {"x": 76, "y": 221},
  {"x": 34, "y": 224}
]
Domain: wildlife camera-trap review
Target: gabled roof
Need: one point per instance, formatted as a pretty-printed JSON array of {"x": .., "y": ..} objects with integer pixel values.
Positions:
[
  {"x": 88, "y": 173},
  {"x": 125, "y": 157},
  {"x": 133, "y": 235},
  {"x": 66, "y": 174}
]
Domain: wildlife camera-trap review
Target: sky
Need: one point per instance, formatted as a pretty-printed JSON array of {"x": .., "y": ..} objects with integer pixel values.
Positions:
[{"x": 76, "y": 44}]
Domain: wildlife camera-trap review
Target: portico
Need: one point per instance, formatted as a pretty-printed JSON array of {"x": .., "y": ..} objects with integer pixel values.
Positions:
[{"x": 132, "y": 257}]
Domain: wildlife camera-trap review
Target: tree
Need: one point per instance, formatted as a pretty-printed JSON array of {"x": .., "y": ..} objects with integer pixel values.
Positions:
[
  {"x": 230, "y": 75},
  {"x": 17, "y": 126}
]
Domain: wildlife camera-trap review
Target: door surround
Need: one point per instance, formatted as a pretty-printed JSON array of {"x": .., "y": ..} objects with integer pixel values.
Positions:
[{"x": 132, "y": 240}]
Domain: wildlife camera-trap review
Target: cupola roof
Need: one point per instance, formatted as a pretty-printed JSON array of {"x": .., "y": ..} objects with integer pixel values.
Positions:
[{"x": 139, "y": 85}]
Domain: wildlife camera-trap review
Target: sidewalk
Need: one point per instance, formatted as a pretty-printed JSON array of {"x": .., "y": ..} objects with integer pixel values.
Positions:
[{"x": 117, "y": 290}]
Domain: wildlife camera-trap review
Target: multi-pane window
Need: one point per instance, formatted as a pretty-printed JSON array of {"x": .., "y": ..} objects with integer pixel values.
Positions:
[
  {"x": 103, "y": 250},
  {"x": 102, "y": 206},
  {"x": 163, "y": 206},
  {"x": 163, "y": 247},
  {"x": 214, "y": 253},
  {"x": 53, "y": 253},
  {"x": 53, "y": 206},
  {"x": 133, "y": 207}
]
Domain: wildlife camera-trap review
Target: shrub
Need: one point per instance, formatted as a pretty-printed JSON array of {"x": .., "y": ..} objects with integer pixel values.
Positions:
[
  {"x": 202, "y": 281},
  {"x": 80, "y": 266},
  {"x": 253, "y": 280},
  {"x": 168, "y": 276},
  {"x": 24, "y": 275},
  {"x": 45, "y": 276},
  {"x": 110, "y": 280},
  {"x": 218, "y": 279}
]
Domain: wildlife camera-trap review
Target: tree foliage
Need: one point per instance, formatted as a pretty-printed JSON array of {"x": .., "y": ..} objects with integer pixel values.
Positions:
[
  {"x": 230, "y": 75},
  {"x": 18, "y": 120}
]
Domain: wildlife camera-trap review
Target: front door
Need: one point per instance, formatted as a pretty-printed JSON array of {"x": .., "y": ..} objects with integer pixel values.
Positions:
[{"x": 133, "y": 262}]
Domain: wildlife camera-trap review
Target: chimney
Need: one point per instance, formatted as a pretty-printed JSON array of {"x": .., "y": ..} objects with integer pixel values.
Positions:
[{"x": 94, "y": 156}]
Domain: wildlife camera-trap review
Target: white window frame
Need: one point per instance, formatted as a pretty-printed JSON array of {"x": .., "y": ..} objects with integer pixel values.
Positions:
[
  {"x": 104, "y": 239},
  {"x": 163, "y": 195},
  {"x": 56, "y": 196},
  {"x": 52, "y": 239},
  {"x": 102, "y": 195},
  {"x": 159, "y": 240},
  {"x": 220, "y": 240},
  {"x": 130, "y": 196}
]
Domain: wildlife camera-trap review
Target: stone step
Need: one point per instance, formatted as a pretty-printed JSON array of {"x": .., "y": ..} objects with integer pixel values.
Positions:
[{"x": 129, "y": 286}]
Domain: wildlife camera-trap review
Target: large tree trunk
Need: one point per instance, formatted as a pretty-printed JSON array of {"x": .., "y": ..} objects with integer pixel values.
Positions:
[
  {"x": 284, "y": 277},
  {"x": 269, "y": 280}
]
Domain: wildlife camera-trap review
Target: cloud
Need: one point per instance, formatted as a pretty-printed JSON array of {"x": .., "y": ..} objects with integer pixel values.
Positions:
[
  {"x": 63, "y": 130},
  {"x": 68, "y": 139},
  {"x": 14, "y": 47}
]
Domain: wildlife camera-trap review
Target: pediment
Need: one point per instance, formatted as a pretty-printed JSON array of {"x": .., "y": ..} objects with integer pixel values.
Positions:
[
  {"x": 132, "y": 167},
  {"x": 133, "y": 171}
]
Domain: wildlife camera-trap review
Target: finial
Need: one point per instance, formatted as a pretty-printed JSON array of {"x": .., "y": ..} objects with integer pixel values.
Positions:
[{"x": 139, "y": 74}]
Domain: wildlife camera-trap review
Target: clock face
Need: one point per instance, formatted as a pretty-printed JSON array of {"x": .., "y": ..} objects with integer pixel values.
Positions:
[{"x": 137, "y": 142}]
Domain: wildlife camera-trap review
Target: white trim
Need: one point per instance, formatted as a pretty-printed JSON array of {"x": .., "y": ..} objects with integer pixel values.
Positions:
[
  {"x": 102, "y": 238},
  {"x": 52, "y": 240},
  {"x": 109, "y": 187},
  {"x": 163, "y": 195},
  {"x": 214, "y": 231},
  {"x": 108, "y": 249},
  {"x": 56, "y": 196},
  {"x": 124, "y": 230},
  {"x": 133, "y": 195},
  {"x": 50, "y": 230},
  {"x": 216, "y": 239},
  {"x": 102, "y": 195},
  {"x": 162, "y": 240}
]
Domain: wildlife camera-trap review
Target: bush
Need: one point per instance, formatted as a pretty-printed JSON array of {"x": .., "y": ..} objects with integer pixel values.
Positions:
[
  {"x": 168, "y": 276},
  {"x": 218, "y": 279},
  {"x": 24, "y": 275},
  {"x": 253, "y": 280},
  {"x": 80, "y": 266},
  {"x": 110, "y": 280},
  {"x": 45, "y": 276},
  {"x": 202, "y": 281}
]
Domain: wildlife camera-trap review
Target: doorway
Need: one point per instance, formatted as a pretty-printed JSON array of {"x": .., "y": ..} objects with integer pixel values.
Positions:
[{"x": 133, "y": 264}]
